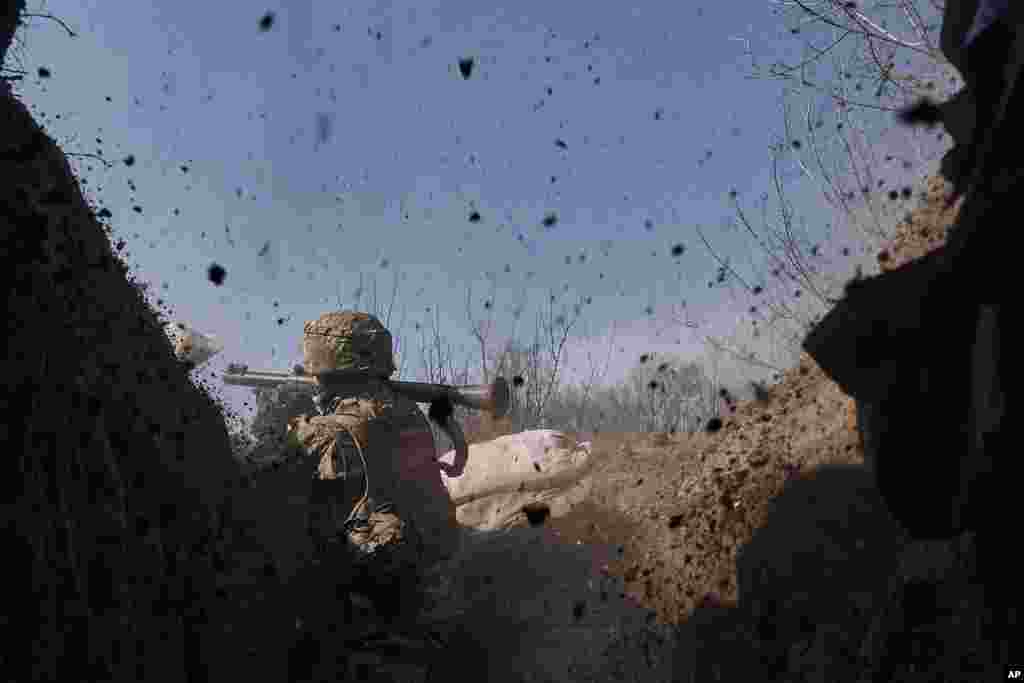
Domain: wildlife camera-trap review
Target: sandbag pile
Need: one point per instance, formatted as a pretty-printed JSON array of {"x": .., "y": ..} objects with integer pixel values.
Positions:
[{"x": 507, "y": 477}]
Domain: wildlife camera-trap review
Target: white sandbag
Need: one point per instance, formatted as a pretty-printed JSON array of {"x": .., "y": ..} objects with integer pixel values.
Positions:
[
  {"x": 191, "y": 345},
  {"x": 505, "y": 475}
]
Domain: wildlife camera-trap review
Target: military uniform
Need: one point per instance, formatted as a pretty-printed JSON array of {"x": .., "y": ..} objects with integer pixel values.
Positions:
[
  {"x": 377, "y": 498},
  {"x": 368, "y": 449}
]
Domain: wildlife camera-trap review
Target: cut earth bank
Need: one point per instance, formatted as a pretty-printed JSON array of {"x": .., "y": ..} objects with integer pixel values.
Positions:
[
  {"x": 145, "y": 560},
  {"x": 766, "y": 546},
  {"x": 760, "y": 550}
]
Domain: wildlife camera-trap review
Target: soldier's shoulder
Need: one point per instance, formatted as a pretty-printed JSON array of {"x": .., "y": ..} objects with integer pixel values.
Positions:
[
  {"x": 360, "y": 407},
  {"x": 306, "y": 428},
  {"x": 382, "y": 397},
  {"x": 346, "y": 404}
]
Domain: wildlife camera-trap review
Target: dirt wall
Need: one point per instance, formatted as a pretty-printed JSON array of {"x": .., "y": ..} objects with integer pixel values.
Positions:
[{"x": 119, "y": 479}]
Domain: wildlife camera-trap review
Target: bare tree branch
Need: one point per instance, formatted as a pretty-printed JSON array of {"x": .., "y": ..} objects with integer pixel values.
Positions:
[
  {"x": 376, "y": 311},
  {"x": 394, "y": 295},
  {"x": 871, "y": 32},
  {"x": 596, "y": 375},
  {"x": 789, "y": 244},
  {"x": 722, "y": 262},
  {"x": 90, "y": 156},
  {"x": 846, "y": 20},
  {"x": 52, "y": 18},
  {"x": 481, "y": 329},
  {"x": 841, "y": 100},
  {"x": 359, "y": 291},
  {"x": 818, "y": 54},
  {"x": 750, "y": 358}
]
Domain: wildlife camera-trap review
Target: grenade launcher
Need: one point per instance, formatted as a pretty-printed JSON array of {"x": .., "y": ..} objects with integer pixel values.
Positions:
[{"x": 493, "y": 398}]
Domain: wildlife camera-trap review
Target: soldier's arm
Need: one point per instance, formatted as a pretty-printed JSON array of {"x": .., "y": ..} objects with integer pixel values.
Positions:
[
  {"x": 326, "y": 444},
  {"x": 284, "y": 449}
]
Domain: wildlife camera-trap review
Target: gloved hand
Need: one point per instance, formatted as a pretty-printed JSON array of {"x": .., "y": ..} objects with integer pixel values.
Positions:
[{"x": 441, "y": 409}]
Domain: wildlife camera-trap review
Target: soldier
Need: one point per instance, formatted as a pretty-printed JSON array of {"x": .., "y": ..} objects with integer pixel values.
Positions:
[{"x": 379, "y": 512}]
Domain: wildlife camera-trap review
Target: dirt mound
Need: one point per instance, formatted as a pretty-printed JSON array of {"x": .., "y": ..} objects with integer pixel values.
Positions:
[
  {"x": 689, "y": 501},
  {"x": 925, "y": 229},
  {"x": 122, "y": 480},
  {"x": 830, "y": 588},
  {"x": 767, "y": 544}
]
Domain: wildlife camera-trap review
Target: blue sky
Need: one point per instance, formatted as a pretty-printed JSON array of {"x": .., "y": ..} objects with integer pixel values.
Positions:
[{"x": 345, "y": 142}]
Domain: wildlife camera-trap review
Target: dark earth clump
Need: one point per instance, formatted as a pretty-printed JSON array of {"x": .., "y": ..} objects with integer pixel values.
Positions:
[{"x": 122, "y": 491}]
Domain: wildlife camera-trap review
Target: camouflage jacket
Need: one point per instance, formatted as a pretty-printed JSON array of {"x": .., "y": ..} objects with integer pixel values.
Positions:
[{"x": 378, "y": 482}]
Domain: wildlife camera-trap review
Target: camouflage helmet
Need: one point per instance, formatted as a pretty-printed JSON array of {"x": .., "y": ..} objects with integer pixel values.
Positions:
[{"x": 347, "y": 340}]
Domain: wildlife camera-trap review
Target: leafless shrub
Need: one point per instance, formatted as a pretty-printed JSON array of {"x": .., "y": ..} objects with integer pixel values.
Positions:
[{"x": 830, "y": 139}]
